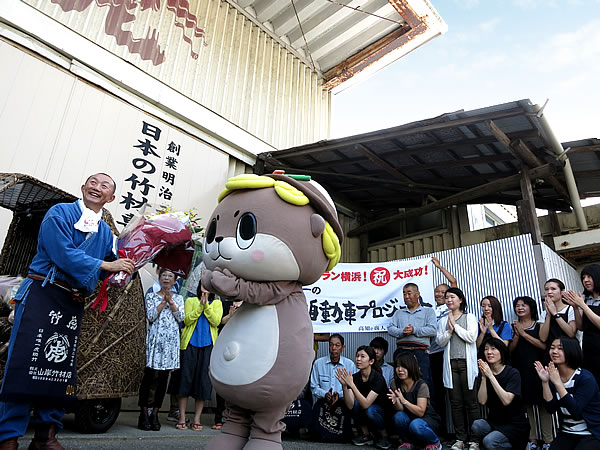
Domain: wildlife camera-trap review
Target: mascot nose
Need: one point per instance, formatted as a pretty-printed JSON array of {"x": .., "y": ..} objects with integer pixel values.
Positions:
[
  {"x": 219, "y": 238},
  {"x": 231, "y": 350}
]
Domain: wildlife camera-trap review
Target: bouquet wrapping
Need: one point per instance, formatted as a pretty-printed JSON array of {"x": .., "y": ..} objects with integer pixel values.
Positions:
[{"x": 162, "y": 238}]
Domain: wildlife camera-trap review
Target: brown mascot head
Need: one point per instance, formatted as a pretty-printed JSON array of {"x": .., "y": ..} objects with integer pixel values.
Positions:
[{"x": 273, "y": 228}]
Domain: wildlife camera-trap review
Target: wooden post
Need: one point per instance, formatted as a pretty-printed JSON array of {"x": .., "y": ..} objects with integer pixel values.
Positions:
[
  {"x": 364, "y": 247},
  {"x": 528, "y": 221}
]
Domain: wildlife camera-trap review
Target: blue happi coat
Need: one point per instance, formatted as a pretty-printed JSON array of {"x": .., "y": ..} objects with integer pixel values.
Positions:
[{"x": 65, "y": 254}]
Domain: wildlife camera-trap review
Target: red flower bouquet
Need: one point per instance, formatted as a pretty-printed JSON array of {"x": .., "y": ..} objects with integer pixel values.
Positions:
[{"x": 162, "y": 238}]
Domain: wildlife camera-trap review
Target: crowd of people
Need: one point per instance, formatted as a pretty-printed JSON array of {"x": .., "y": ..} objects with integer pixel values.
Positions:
[{"x": 502, "y": 382}]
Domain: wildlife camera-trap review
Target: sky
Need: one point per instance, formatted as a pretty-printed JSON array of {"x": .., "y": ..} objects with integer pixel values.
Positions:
[{"x": 494, "y": 51}]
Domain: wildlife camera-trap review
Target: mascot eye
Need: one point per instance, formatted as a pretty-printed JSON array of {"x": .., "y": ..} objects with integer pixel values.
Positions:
[
  {"x": 212, "y": 231},
  {"x": 246, "y": 231}
]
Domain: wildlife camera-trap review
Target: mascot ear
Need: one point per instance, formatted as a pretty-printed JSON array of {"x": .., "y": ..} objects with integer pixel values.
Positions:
[{"x": 317, "y": 225}]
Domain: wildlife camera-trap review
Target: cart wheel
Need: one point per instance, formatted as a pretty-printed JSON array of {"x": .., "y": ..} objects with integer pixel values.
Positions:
[{"x": 98, "y": 415}]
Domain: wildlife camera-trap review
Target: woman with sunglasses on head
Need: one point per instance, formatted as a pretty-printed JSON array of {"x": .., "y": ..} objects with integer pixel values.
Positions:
[
  {"x": 559, "y": 318},
  {"x": 506, "y": 425},
  {"x": 415, "y": 420},
  {"x": 588, "y": 317},
  {"x": 527, "y": 348},
  {"x": 573, "y": 393}
]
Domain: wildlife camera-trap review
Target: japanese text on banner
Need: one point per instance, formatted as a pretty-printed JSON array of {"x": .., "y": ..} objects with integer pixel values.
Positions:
[{"x": 364, "y": 297}]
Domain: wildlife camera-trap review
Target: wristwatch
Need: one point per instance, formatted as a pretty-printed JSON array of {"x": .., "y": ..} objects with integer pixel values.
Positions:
[{"x": 557, "y": 316}]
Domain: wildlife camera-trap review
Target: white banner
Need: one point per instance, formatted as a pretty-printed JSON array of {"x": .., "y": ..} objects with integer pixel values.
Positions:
[{"x": 364, "y": 297}]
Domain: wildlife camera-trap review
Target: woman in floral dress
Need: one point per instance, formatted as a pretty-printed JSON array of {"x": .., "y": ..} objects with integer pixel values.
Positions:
[{"x": 164, "y": 311}]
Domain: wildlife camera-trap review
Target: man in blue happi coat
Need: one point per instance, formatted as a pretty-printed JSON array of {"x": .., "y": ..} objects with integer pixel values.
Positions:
[{"x": 75, "y": 246}]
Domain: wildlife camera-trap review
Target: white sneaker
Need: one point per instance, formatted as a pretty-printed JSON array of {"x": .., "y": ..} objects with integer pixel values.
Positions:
[
  {"x": 458, "y": 445},
  {"x": 473, "y": 446}
]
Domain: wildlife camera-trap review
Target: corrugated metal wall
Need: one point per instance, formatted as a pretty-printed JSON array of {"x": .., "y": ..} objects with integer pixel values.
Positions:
[
  {"x": 239, "y": 72},
  {"x": 557, "y": 267},
  {"x": 436, "y": 241},
  {"x": 504, "y": 268}
]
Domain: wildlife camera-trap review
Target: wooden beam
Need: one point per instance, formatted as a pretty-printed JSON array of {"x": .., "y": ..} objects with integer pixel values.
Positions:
[
  {"x": 460, "y": 162},
  {"x": 461, "y": 197},
  {"x": 587, "y": 173},
  {"x": 403, "y": 130},
  {"x": 585, "y": 148},
  {"x": 528, "y": 221},
  {"x": 518, "y": 148},
  {"x": 406, "y": 186},
  {"x": 382, "y": 163}
]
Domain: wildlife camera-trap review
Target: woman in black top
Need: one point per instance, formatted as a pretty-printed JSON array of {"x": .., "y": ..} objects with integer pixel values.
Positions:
[
  {"x": 365, "y": 393},
  {"x": 506, "y": 425},
  {"x": 415, "y": 420},
  {"x": 588, "y": 317},
  {"x": 527, "y": 348}
]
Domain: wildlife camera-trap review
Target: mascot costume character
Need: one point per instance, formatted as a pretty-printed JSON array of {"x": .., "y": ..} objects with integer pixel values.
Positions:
[{"x": 269, "y": 236}]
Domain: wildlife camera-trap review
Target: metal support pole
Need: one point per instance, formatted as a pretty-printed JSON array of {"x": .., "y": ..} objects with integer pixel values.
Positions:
[{"x": 567, "y": 170}]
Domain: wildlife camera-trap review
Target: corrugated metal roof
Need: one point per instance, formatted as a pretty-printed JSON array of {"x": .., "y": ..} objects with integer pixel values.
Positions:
[
  {"x": 412, "y": 165},
  {"x": 340, "y": 38},
  {"x": 585, "y": 159}
]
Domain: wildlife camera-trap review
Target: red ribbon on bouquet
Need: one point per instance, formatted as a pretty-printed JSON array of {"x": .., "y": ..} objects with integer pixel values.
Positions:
[{"x": 102, "y": 297}]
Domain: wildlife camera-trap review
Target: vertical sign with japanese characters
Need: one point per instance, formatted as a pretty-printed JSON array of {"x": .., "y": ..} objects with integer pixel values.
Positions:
[
  {"x": 364, "y": 297},
  {"x": 152, "y": 172}
]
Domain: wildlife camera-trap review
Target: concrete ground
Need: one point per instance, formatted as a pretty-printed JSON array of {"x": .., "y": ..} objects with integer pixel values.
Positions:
[{"x": 124, "y": 434}]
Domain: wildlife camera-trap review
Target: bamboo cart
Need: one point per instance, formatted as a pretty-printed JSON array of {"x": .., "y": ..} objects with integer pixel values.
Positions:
[{"x": 111, "y": 353}]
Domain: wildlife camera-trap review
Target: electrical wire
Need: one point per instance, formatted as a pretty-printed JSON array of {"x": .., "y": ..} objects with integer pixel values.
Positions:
[
  {"x": 303, "y": 36},
  {"x": 357, "y": 9}
]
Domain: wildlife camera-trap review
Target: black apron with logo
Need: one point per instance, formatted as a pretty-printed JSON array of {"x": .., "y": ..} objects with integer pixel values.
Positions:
[{"x": 43, "y": 365}]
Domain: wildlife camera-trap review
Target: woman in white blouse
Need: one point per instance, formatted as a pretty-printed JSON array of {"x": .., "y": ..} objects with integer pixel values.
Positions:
[
  {"x": 164, "y": 311},
  {"x": 457, "y": 334}
]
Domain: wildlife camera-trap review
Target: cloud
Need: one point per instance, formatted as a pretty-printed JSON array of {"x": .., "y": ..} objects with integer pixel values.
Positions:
[
  {"x": 489, "y": 26},
  {"x": 467, "y": 4},
  {"x": 576, "y": 50},
  {"x": 532, "y": 4}
]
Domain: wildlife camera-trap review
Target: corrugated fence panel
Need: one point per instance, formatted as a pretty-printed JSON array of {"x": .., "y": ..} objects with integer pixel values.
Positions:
[
  {"x": 504, "y": 268},
  {"x": 222, "y": 61},
  {"x": 557, "y": 267},
  {"x": 436, "y": 241}
]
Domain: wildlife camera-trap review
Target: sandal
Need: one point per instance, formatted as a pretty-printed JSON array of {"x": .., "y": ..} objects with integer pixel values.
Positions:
[
  {"x": 217, "y": 426},
  {"x": 196, "y": 427},
  {"x": 181, "y": 426}
]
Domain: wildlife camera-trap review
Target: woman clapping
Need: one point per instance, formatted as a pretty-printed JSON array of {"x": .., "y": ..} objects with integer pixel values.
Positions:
[
  {"x": 506, "y": 425},
  {"x": 573, "y": 393}
]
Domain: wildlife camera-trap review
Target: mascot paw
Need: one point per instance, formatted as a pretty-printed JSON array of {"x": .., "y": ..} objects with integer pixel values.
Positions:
[
  {"x": 206, "y": 280},
  {"x": 224, "y": 282}
]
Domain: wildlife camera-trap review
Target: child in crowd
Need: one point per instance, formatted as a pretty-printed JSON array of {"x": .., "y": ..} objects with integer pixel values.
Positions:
[{"x": 380, "y": 345}]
